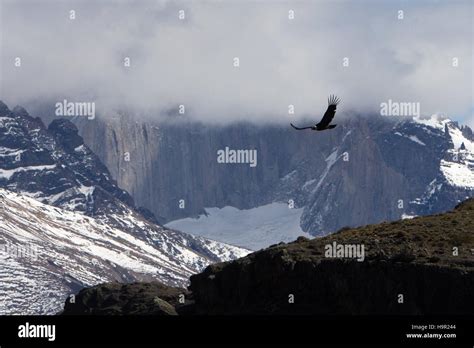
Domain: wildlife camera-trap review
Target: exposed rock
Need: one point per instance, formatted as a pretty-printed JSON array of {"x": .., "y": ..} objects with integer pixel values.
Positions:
[
  {"x": 66, "y": 134},
  {"x": 131, "y": 299}
]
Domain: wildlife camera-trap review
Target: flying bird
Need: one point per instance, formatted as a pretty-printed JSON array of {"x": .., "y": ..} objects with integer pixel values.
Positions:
[{"x": 327, "y": 118}]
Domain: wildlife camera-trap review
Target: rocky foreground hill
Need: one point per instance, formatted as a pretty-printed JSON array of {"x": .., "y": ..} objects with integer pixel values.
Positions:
[{"x": 423, "y": 265}]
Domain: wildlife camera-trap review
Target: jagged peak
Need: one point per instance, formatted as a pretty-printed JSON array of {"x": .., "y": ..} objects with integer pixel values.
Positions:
[
  {"x": 66, "y": 134},
  {"x": 20, "y": 111},
  {"x": 3, "y": 108},
  {"x": 63, "y": 126},
  {"x": 438, "y": 121}
]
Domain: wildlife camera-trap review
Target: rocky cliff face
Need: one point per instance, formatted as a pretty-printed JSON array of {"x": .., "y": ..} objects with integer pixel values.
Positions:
[
  {"x": 376, "y": 168},
  {"x": 418, "y": 267}
]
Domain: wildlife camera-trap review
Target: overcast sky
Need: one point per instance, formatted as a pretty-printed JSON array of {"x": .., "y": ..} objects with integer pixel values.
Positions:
[{"x": 282, "y": 61}]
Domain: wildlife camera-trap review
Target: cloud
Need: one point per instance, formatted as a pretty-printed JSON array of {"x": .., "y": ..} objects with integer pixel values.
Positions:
[{"x": 282, "y": 61}]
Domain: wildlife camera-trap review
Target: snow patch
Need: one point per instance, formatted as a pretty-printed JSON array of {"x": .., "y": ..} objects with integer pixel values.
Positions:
[
  {"x": 413, "y": 138},
  {"x": 330, "y": 160},
  {"x": 416, "y": 140},
  {"x": 435, "y": 121},
  {"x": 458, "y": 138},
  {"x": 8, "y": 173},
  {"x": 407, "y": 216},
  {"x": 458, "y": 174},
  {"x": 254, "y": 228}
]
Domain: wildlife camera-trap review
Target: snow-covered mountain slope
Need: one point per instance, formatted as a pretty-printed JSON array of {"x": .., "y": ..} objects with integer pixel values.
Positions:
[
  {"x": 48, "y": 253},
  {"x": 254, "y": 229},
  {"x": 458, "y": 165},
  {"x": 54, "y": 165},
  {"x": 87, "y": 229},
  {"x": 455, "y": 175}
]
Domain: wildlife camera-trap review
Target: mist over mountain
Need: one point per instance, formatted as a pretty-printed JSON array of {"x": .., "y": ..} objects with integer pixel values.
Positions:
[{"x": 147, "y": 60}]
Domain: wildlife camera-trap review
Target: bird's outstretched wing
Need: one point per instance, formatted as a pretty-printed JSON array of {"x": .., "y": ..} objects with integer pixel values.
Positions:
[
  {"x": 330, "y": 112},
  {"x": 298, "y": 128}
]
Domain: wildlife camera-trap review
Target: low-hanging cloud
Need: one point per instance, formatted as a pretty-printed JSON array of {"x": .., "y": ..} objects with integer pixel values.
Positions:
[{"x": 283, "y": 61}]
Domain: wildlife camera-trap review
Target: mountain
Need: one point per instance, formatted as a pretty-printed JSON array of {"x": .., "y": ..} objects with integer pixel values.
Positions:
[
  {"x": 54, "y": 165},
  {"x": 49, "y": 253},
  {"x": 378, "y": 168},
  {"x": 392, "y": 273},
  {"x": 60, "y": 203}
]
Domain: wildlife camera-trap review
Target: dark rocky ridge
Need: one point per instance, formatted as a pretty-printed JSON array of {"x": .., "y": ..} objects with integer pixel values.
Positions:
[
  {"x": 410, "y": 257},
  {"x": 135, "y": 298}
]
